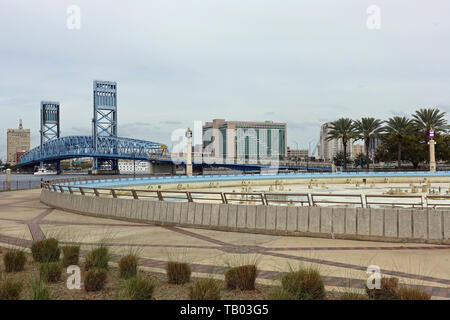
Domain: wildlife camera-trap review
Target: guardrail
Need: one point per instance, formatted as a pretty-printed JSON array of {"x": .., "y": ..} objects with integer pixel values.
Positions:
[{"x": 292, "y": 199}]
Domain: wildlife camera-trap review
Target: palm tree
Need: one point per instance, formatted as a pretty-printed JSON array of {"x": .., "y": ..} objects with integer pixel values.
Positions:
[
  {"x": 342, "y": 129},
  {"x": 367, "y": 128},
  {"x": 399, "y": 128},
  {"x": 426, "y": 119}
]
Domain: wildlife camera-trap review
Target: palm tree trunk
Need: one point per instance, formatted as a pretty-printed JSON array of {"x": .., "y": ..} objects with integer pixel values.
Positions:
[
  {"x": 399, "y": 155},
  {"x": 367, "y": 154},
  {"x": 345, "y": 155}
]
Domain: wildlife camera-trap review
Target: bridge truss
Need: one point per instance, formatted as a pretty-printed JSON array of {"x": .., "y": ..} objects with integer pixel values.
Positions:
[{"x": 107, "y": 148}]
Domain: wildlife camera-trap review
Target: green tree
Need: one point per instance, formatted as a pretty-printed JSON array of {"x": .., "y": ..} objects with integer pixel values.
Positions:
[
  {"x": 443, "y": 147},
  {"x": 342, "y": 129},
  {"x": 398, "y": 128},
  {"x": 368, "y": 128},
  {"x": 338, "y": 159},
  {"x": 427, "y": 119},
  {"x": 360, "y": 160}
]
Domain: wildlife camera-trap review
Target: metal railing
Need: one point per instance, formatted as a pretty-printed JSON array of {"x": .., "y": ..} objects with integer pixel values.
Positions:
[{"x": 290, "y": 199}]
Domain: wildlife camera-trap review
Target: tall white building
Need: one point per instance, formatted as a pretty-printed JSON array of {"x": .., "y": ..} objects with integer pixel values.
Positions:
[
  {"x": 130, "y": 166},
  {"x": 329, "y": 148}
]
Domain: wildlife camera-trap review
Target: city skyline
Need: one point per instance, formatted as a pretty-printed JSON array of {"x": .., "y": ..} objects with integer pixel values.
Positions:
[{"x": 178, "y": 62}]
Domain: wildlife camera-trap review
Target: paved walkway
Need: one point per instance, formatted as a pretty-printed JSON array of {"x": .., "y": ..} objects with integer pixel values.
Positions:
[{"x": 343, "y": 263}]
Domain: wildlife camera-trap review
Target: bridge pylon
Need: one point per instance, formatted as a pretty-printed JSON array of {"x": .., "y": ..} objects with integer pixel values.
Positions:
[
  {"x": 104, "y": 122},
  {"x": 50, "y": 124}
]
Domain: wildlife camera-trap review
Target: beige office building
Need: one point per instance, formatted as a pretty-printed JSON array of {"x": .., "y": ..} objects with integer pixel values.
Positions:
[
  {"x": 245, "y": 140},
  {"x": 18, "y": 142}
]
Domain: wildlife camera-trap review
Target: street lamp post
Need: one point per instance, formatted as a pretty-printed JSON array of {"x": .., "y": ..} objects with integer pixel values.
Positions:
[{"x": 432, "y": 151}]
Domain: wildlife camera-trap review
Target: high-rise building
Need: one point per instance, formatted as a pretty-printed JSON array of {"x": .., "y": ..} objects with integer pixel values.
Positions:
[
  {"x": 18, "y": 142},
  {"x": 358, "y": 149},
  {"x": 297, "y": 154},
  {"x": 374, "y": 143},
  {"x": 329, "y": 148},
  {"x": 245, "y": 140}
]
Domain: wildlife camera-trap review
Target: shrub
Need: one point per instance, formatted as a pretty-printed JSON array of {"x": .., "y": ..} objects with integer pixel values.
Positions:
[
  {"x": 71, "y": 255},
  {"x": 353, "y": 296},
  {"x": 304, "y": 284},
  {"x": 140, "y": 288},
  {"x": 178, "y": 272},
  {"x": 387, "y": 291},
  {"x": 97, "y": 258},
  {"x": 14, "y": 260},
  {"x": 39, "y": 291},
  {"x": 10, "y": 290},
  {"x": 45, "y": 250},
  {"x": 205, "y": 289},
  {"x": 405, "y": 293},
  {"x": 279, "y": 294},
  {"x": 95, "y": 279},
  {"x": 242, "y": 277},
  {"x": 128, "y": 266},
  {"x": 50, "y": 271}
]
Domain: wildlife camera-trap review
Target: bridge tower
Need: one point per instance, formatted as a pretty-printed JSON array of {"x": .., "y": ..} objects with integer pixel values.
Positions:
[
  {"x": 104, "y": 122},
  {"x": 50, "y": 129}
]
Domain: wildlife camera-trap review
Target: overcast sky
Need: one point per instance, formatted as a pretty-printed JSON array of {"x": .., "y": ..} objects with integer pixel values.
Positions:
[{"x": 177, "y": 61}]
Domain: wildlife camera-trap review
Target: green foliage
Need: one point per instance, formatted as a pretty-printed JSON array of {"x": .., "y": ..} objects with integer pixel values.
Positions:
[
  {"x": 50, "y": 271},
  {"x": 427, "y": 119},
  {"x": 405, "y": 293},
  {"x": 241, "y": 277},
  {"x": 338, "y": 159},
  {"x": 46, "y": 250},
  {"x": 97, "y": 258},
  {"x": 344, "y": 129},
  {"x": 14, "y": 260},
  {"x": 128, "y": 266},
  {"x": 39, "y": 291},
  {"x": 304, "y": 284},
  {"x": 71, "y": 255},
  {"x": 95, "y": 279},
  {"x": 279, "y": 294},
  {"x": 360, "y": 160},
  {"x": 139, "y": 288},
  {"x": 10, "y": 289},
  {"x": 205, "y": 289},
  {"x": 367, "y": 128},
  {"x": 178, "y": 272},
  {"x": 387, "y": 291}
]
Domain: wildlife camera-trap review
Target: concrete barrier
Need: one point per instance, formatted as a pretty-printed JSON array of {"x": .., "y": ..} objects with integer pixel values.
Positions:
[{"x": 388, "y": 224}]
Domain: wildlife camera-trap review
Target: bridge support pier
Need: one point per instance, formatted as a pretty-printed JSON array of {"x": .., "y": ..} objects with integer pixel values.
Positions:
[{"x": 162, "y": 168}]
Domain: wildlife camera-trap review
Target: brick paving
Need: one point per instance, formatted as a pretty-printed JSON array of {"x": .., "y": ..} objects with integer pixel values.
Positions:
[{"x": 277, "y": 252}]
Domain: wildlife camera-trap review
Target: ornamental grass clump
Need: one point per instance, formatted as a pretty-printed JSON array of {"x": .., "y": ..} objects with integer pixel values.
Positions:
[
  {"x": 10, "y": 289},
  {"x": 205, "y": 289},
  {"x": 139, "y": 288},
  {"x": 97, "y": 258},
  {"x": 71, "y": 255},
  {"x": 304, "y": 284},
  {"x": 178, "y": 272},
  {"x": 46, "y": 250},
  {"x": 241, "y": 277},
  {"x": 14, "y": 260},
  {"x": 94, "y": 279},
  {"x": 128, "y": 266},
  {"x": 50, "y": 272}
]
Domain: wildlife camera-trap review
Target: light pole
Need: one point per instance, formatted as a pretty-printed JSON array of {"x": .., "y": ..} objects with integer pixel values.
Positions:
[
  {"x": 432, "y": 155},
  {"x": 189, "y": 153}
]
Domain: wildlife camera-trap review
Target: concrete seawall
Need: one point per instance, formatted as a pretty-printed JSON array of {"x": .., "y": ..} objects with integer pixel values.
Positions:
[{"x": 389, "y": 224}]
